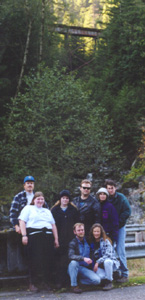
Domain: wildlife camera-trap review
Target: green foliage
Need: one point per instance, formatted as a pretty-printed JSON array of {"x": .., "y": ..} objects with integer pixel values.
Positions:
[
  {"x": 138, "y": 168},
  {"x": 59, "y": 128},
  {"x": 78, "y": 12},
  {"x": 14, "y": 21},
  {"x": 55, "y": 133},
  {"x": 118, "y": 73},
  {"x": 135, "y": 172}
]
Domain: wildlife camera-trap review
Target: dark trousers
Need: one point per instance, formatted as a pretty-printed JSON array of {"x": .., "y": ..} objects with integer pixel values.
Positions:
[
  {"x": 61, "y": 265},
  {"x": 40, "y": 255}
]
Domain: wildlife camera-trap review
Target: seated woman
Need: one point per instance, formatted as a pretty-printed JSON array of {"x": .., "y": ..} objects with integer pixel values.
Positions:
[
  {"x": 103, "y": 255},
  {"x": 39, "y": 233}
]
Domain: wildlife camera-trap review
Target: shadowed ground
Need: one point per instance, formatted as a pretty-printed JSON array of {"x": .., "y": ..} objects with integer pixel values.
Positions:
[{"x": 125, "y": 293}]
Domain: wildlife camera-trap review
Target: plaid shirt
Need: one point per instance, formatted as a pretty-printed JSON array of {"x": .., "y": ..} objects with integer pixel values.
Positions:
[
  {"x": 18, "y": 203},
  {"x": 107, "y": 251}
]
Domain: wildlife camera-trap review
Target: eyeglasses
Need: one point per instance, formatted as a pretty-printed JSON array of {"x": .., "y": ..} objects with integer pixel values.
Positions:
[{"x": 86, "y": 188}]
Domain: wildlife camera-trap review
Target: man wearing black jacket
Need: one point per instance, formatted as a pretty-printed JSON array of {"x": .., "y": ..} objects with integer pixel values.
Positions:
[{"x": 88, "y": 206}]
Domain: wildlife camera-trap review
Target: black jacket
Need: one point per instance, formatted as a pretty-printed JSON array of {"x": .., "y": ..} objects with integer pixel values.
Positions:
[
  {"x": 89, "y": 213},
  {"x": 64, "y": 223},
  {"x": 74, "y": 252}
]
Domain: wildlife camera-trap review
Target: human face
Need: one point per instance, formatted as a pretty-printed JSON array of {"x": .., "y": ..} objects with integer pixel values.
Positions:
[
  {"x": 29, "y": 186},
  {"x": 111, "y": 189},
  {"x": 79, "y": 232},
  {"x": 97, "y": 233},
  {"x": 39, "y": 201},
  {"x": 102, "y": 197},
  {"x": 64, "y": 201},
  {"x": 85, "y": 190}
]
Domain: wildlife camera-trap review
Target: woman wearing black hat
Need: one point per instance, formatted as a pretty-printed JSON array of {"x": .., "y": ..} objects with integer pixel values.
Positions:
[{"x": 66, "y": 215}]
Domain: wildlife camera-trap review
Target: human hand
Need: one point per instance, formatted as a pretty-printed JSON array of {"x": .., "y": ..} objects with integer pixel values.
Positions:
[
  {"x": 88, "y": 260},
  {"x": 56, "y": 243},
  {"x": 24, "y": 240},
  {"x": 17, "y": 229},
  {"x": 96, "y": 267}
]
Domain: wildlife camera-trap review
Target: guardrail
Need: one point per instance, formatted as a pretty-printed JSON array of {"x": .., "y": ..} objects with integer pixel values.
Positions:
[
  {"x": 13, "y": 261},
  {"x": 135, "y": 250},
  {"x": 135, "y": 233},
  {"x": 135, "y": 226},
  {"x": 135, "y": 241}
]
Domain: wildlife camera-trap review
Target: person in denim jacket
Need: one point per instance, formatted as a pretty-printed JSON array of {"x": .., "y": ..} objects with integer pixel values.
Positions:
[{"x": 80, "y": 261}]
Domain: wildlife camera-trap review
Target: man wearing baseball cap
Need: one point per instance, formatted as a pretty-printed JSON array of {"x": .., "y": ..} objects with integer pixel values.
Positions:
[{"x": 20, "y": 200}]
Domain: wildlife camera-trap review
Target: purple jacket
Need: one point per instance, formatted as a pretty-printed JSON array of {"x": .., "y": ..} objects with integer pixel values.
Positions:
[{"x": 109, "y": 220}]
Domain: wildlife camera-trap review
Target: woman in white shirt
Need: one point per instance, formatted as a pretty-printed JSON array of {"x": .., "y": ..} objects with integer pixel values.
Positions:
[{"x": 39, "y": 233}]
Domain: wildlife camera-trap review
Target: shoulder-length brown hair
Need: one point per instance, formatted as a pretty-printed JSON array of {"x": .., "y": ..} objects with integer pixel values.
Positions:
[
  {"x": 102, "y": 233},
  {"x": 58, "y": 203},
  {"x": 37, "y": 194}
]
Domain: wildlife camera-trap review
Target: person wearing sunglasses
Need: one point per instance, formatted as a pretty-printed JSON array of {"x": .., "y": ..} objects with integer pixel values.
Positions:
[{"x": 88, "y": 206}]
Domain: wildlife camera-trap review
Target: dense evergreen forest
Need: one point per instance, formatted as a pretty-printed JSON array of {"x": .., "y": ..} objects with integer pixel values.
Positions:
[{"x": 71, "y": 105}]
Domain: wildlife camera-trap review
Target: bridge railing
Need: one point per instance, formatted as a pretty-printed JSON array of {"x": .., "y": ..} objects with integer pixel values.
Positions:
[{"x": 13, "y": 258}]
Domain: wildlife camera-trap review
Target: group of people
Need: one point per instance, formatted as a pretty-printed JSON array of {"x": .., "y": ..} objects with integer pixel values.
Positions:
[{"x": 81, "y": 240}]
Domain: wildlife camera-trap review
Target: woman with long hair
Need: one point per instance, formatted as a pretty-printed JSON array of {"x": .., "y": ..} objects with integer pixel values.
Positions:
[
  {"x": 39, "y": 233},
  {"x": 66, "y": 215},
  {"x": 109, "y": 215},
  {"x": 103, "y": 255}
]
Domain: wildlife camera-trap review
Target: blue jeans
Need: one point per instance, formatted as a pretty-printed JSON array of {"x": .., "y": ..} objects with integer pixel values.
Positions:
[
  {"x": 121, "y": 251},
  {"x": 107, "y": 272},
  {"x": 85, "y": 275}
]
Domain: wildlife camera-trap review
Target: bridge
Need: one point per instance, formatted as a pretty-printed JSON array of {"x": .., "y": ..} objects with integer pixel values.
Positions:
[{"x": 76, "y": 31}]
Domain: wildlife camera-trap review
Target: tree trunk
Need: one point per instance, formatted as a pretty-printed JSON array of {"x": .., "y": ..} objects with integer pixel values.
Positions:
[
  {"x": 25, "y": 58},
  {"x": 42, "y": 30}
]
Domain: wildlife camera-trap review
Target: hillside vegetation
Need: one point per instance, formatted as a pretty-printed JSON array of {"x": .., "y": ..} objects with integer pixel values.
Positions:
[{"x": 70, "y": 107}]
